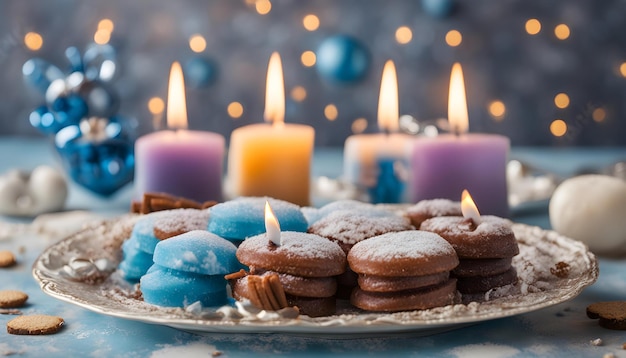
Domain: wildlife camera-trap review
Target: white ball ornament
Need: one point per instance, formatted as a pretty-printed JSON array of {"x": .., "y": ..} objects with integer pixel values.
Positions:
[
  {"x": 29, "y": 194},
  {"x": 592, "y": 209}
]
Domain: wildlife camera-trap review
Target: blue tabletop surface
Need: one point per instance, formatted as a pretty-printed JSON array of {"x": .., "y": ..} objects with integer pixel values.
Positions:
[{"x": 561, "y": 330}]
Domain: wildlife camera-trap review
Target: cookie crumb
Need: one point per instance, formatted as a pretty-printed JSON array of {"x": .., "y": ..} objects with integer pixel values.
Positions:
[
  {"x": 560, "y": 270},
  {"x": 609, "y": 355},
  {"x": 12, "y": 298},
  {"x": 624, "y": 345},
  {"x": 216, "y": 353},
  {"x": 34, "y": 325},
  {"x": 7, "y": 258},
  {"x": 596, "y": 342}
]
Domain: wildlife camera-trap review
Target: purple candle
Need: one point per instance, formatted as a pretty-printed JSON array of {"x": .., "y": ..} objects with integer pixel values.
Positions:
[
  {"x": 178, "y": 161},
  {"x": 444, "y": 166}
]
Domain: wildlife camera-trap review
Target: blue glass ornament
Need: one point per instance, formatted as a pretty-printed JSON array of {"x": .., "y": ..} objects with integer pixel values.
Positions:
[
  {"x": 100, "y": 62},
  {"x": 100, "y": 98},
  {"x": 438, "y": 8},
  {"x": 200, "y": 72},
  {"x": 342, "y": 59},
  {"x": 389, "y": 186},
  {"x": 98, "y": 156},
  {"x": 76, "y": 61},
  {"x": 40, "y": 73}
]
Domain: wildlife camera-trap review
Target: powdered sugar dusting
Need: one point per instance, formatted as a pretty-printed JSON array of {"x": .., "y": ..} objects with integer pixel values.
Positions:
[
  {"x": 365, "y": 209},
  {"x": 457, "y": 225},
  {"x": 295, "y": 245},
  {"x": 412, "y": 244},
  {"x": 350, "y": 227},
  {"x": 436, "y": 207},
  {"x": 181, "y": 220}
]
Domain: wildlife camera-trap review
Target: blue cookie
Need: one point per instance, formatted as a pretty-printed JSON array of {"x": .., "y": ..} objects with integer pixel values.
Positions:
[
  {"x": 143, "y": 233},
  {"x": 171, "y": 288},
  {"x": 198, "y": 251},
  {"x": 135, "y": 262},
  {"x": 238, "y": 219}
]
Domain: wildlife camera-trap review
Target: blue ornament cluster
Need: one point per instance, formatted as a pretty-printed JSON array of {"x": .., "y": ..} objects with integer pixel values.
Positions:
[{"x": 80, "y": 112}]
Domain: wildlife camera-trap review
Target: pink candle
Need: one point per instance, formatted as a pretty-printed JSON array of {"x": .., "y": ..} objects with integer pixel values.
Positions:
[
  {"x": 179, "y": 161},
  {"x": 442, "y": 167}
]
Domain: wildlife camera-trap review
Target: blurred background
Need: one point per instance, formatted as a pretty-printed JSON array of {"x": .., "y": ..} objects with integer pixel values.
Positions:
[{"x": 545, "y": 73}]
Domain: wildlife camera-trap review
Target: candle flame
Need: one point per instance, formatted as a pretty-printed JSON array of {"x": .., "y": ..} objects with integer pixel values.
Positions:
[
  {"x": 272, "y": 227},
  {"x": 469, "y": 209},
  {"x": 176, "y": 102},
  {"x": 457, "y": 101},
  {"x": 388, "y": 112},
  {"x": 275, "y": 91}
]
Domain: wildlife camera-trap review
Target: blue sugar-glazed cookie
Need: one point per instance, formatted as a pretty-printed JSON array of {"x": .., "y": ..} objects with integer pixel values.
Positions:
[
  {"x": 313, "y": 215},
  {"x": 143, "y": 233},
  {"x": 172, "y": 288},
  {"x": 135, "y": 263},
  {"x": 238, "y": 219},
  {"x": 199, "y": 252}
]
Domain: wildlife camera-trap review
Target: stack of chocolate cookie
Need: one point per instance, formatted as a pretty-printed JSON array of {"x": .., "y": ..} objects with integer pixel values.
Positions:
[
  {"x": 485, "y": 252},
  {"x": 306, "y": 265},
  {"x": 401, "y": 271}
]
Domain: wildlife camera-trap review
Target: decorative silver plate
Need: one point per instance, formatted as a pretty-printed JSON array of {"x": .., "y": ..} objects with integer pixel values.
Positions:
[{"x": 80, "y": 270}]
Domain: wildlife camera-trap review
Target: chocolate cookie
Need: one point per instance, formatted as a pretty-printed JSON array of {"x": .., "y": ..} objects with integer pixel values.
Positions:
[
  {"x": 427, "y": 209},
  {"x": 612, "y": 314},
  {"x": 403, "y": 271},
  {"x": 300, "y": 254},
  {"x": 479, "y": 284},
  {"x": 491, "y": 239},
  {"x": 432, "y": 296},
  {"x": 485, "y": 252},
  {"x": 305, "y": 263}
]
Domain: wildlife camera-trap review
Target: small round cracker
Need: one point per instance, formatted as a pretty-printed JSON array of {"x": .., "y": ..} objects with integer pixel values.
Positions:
[
  {"x": 6, "y": 258},
  {"x": 12, "y": 298},
  {"x": 34, "y": 325}
]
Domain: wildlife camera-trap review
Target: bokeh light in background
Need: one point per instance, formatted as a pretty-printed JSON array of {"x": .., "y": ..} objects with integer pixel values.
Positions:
[
  {"x": 533, "y": 26},
  {"x": 33, "y": 41},
  {"x": 526, "y": 63},
  {"x": 197, "y": 43},
  {"x": 404, "y": 35},
  {"x": 454, "y": 38},
  {"x": 558, "y": 128},
  {"x": 235, "y": 110},
  {"x": 311, "y": 22}
]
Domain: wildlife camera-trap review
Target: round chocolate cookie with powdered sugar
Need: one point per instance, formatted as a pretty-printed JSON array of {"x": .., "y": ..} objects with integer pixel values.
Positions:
[
  {"x": 405, "y": 270},
  {"x": 427, "y": 209},
  {"x": 485, "y": 251},
  {"x": 300, "y": 259}
]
